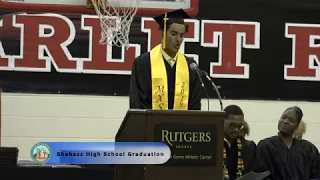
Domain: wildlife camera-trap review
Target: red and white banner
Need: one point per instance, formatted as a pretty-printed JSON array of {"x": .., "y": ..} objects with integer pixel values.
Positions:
[{"x": 45, "y": 40}]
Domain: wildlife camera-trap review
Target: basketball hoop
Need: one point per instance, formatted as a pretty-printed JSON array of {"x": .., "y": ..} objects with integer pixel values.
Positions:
[{"x": 115, "y": 17}]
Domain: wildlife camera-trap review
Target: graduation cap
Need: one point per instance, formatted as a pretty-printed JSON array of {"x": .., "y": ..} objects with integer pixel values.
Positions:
[{"x": 176, "y": 16}]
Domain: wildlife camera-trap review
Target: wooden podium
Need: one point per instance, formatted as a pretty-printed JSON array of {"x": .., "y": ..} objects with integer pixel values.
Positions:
[{"x": 194, "y": 137}]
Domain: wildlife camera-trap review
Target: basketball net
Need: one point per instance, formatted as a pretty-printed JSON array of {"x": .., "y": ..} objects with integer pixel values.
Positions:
[{"x": 115, "y": 17}]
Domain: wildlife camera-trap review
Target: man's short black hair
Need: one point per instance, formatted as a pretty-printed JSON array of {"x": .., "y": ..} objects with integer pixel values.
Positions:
[{"x": 233, "y": 110}]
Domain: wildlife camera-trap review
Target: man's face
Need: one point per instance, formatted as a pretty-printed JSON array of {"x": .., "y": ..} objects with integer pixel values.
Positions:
[
  {"x": 233, "y": 125},
  {"x": 175, "y": 35},
  {"x": 288, "y": 122}
]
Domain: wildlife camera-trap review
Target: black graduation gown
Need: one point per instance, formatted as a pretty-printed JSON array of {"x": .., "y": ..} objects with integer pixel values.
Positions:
[
  {"x": 248, "y": 155},
  {"x": 141, "y": 86},
  {"x": 300, "y": 162}
]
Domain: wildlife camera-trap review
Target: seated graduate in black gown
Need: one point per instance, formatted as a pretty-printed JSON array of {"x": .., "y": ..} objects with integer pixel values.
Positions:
[
  {"x": 239, "y": 154},
  {"x": 161, "y": 78},
  {"x": 286, "y": 157}
]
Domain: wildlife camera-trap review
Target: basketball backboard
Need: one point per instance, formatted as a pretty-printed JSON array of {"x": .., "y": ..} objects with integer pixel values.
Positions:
[{"x": 146, "y": 7}]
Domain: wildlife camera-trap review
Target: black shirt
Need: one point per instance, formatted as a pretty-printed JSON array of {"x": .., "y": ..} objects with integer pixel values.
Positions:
[
  {"x": 248, "y": 156},
  {"x": 299, "y": 162}
]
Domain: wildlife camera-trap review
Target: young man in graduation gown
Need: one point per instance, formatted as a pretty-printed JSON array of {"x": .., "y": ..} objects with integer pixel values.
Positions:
[
  {"x": 239, "y": 154},
  {"x": 286, "y": 157},
  {"x": 161, "y": 78}
]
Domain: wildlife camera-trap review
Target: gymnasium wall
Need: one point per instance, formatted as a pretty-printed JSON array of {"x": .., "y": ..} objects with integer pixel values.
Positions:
[{"x": 31, "y": 118}]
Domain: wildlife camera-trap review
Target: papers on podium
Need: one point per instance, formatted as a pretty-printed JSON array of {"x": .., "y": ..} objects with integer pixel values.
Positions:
[{"x": 254, "y": 176}]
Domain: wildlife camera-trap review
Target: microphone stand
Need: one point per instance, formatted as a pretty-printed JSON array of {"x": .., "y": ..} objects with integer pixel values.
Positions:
[
  {"x": 207, "y": 95},
  {"x": 199, "y": 72},
  {"x": 216, "y": 88}
]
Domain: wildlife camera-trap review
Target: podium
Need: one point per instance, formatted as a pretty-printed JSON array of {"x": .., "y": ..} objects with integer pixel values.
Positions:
[{"x": 194, "y": 137}]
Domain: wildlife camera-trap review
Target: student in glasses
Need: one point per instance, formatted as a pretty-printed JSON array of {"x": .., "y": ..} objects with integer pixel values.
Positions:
[{"x": 239, "y": 154}]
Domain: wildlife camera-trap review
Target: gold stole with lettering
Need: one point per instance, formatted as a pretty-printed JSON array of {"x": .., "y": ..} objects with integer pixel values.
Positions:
[{"x": 160, "y": 81}]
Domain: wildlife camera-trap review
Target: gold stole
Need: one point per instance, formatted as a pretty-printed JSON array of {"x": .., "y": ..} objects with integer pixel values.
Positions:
[{"x": 160, "y": 81}]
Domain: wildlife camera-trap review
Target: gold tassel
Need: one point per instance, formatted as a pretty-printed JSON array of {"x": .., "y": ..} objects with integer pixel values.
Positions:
[{"x": 164, "y": 31}]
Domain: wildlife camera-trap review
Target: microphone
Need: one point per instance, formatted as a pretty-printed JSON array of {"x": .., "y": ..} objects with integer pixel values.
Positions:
[{"x": 194, "y": 66}]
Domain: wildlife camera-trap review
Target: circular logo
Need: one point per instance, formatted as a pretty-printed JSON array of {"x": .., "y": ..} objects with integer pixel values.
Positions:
[{"x": 40, "y": 153}]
